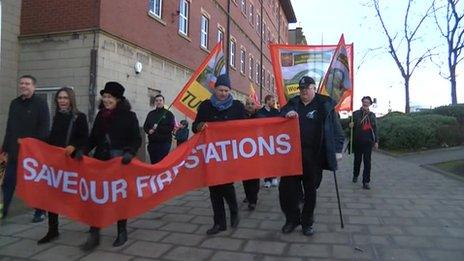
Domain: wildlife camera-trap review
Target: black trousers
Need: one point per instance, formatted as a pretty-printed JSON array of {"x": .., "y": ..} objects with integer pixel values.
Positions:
[
  {"x": 158, "y": 150},
  {"x": 52, "y": 221},
  {"x": 217, "y": 195},
  {"x": 122, "y": 226},
  {"x": 290, "y": 189},
  {"x": 251, "y": 188},
  {"x": 362, "y": 152}
]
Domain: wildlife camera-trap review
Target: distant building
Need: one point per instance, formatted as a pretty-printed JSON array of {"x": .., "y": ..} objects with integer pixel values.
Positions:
[{"x": 296, "y": 36}]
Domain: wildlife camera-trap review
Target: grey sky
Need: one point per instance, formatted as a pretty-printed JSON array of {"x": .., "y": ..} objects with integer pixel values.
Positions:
[{"x": 378, "y": 76}]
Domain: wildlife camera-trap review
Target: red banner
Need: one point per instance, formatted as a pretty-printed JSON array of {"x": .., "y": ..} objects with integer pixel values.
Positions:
[
  {"x": 201, "y": 84},
  {"x": 99, "y": 193},
  {"x": 291, "y": 62}
]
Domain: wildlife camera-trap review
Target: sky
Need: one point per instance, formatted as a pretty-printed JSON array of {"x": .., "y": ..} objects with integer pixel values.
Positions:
[{"x": 377, "y": 74}]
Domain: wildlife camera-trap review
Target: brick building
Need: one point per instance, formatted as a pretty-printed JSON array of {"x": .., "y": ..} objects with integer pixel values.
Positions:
[{"x": 85, "y": 43}]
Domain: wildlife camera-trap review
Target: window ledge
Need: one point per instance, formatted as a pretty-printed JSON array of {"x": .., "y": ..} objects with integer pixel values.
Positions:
[
  {"x": 184, "y": 36},
  {"x": 156, "y": 18},
  {"x": 205, "y": 49}
]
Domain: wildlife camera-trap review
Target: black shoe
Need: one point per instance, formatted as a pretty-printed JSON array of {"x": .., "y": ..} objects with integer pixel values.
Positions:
[
  {"x": 308, "y": 230},
  {"x": 366, "y": 186},
  {"x": 121, "y": 239},
  {"x": 289, "y": 227},
  {"x": 38, "y": 218},
  {"x": 234, "y": 220},
  {"x": 355, "y": 179},
  {"x": 49, "y": 237},
  {"x": 245, "y": 200},
  {"x": 251, "y": 207},
  {"x": 215, "y": 229},
  {"x": 92, "y": 242}
]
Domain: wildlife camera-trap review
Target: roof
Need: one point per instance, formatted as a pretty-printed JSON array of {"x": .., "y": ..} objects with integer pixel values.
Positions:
[{"x": 288, "y": 10}]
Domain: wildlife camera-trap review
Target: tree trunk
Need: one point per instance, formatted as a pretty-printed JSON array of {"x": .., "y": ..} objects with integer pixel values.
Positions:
[
  {"x": 454, "y": 98},
  {"x": 406, "y": 88}
]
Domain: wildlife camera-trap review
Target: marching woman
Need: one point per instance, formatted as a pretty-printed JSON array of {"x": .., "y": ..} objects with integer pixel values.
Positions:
[
  {"x": 70, "y": 131},
  {"x": 115, "y": 132}
]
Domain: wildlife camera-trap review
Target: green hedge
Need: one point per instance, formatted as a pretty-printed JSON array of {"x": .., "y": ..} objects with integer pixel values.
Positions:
[{"x": 418, "y": 131}]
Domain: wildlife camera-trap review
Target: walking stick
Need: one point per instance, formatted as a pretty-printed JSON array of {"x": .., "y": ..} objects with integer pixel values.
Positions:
[{"x": 338, "y": 199}]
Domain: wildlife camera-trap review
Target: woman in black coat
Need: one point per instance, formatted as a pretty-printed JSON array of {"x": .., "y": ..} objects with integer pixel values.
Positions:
[
  {"x": 221, "y": 107},
  {"x": 115, "y": 132},
  {"x": 70, "y": 131}
]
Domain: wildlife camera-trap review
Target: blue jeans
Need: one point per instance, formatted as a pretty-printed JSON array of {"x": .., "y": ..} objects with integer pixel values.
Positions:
[
  {"x": 158, "y": 151},
  {"x": 9, "y": 186}
]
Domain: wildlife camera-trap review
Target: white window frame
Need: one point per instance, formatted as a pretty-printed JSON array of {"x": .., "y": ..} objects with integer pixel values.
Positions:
[
  {"x": 233, "y": 52},
  {"x": 184, "y": 10},
  {"x": 258, "y": 68},
  {"x": 204, "y": 31},
  {"x": 242, "y": 60},
  {"x": 153, "y": 8},
  {"x": 220, "y": 33},
  {"x": 251, "y": 67},
  {"x": 252, "y": 14},
  {"x": 243, "y": 6}
]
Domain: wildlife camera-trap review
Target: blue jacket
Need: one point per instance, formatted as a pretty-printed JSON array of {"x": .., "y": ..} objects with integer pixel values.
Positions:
[{"x": 332, "y": 136}]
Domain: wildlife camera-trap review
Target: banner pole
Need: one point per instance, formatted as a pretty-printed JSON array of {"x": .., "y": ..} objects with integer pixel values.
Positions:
[
  {"x": 351, "y": 135},
  {"x": 338, "y": 200}
]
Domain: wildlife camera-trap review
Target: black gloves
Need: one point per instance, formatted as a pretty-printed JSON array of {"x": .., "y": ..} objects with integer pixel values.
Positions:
[
  {"x": 127, "y": 158},
  {"x": 77, "y": 154}
]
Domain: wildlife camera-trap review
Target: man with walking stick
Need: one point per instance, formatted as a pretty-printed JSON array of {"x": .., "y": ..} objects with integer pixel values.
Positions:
[{"x": 321, "y": 145}]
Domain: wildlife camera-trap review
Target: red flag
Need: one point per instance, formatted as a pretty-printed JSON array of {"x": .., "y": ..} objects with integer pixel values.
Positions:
[
  {"x": 201, "y": 84},
  {"x": 252, "y": 95},
  {"x": 337, "y": 82}
]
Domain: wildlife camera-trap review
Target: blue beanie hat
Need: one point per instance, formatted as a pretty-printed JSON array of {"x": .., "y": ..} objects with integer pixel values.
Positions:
[{"x": 223, "y": 80}]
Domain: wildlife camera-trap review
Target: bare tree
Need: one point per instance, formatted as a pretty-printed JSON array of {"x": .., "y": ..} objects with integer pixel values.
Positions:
[
  {"x": 453, "y": 32},
  {"x": 401, "y": 42}
]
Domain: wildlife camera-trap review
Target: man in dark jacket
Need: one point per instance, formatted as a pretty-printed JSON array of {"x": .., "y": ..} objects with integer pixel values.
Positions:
[
  {"x": 269, "y": 110},
  {"x": 159, "y": 125},
  {"x": 221, "y": 107},
  {"x": 251, "y": 186},
  {"x": 321, "y": 145},
  {"x": 365, "y": 137},
  {"x": 28, "y": 116}
]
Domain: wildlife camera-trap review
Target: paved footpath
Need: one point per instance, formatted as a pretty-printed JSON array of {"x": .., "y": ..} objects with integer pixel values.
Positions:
[{"x": 410, "y": 214}]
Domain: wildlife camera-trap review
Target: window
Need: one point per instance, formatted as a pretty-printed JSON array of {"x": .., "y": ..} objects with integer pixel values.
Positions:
[
  {"x": 233, "y": 49},
  {"x": 257, "y": 73},
  {"x": 272, "y": 83},
  {"x": 243, "y": 6},
  {"x": 184, "y": 17},
  {"x": 251, "y": 68},
  {"x": 220, "y": 34},
  {"x": 155, "y": 7},
  {"x": 264, "y": 31},
  {"x": 252, "y": 15},
  {"x": 151, "y": 96},
  {"x": 48, "y": 94},
  {"x": 258, "y": 22},
  {"x": 242, "y": 60},
  {"x": 204, "y": 36}
]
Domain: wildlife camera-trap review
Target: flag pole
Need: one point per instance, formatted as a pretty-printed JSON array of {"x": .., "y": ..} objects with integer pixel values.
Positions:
[{"x": 338, "y": 200}]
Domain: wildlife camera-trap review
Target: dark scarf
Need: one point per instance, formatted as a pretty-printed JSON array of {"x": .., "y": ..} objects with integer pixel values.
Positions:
[
  {"x": 107, "y": 118},
  {"x": 222, "y": 105}
]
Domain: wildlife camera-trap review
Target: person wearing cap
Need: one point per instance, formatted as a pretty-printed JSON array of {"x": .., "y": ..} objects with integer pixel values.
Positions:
[
  {"x": 159, "y": 125},
  {"x": 365, "y": 137},
  {"x": 115, "y": 132},
  {"x": 321, "y": 146},
  {"x": 220, "y": 107}
]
